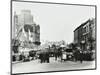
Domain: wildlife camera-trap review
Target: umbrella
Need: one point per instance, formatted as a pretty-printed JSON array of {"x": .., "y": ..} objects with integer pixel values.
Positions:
[{"x": 62, "y": 46}]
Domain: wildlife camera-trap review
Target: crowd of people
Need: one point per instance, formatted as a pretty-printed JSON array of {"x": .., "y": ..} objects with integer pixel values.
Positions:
[
  {"x": 72, "y": 55},
  {"x": 58, "y": 52}
]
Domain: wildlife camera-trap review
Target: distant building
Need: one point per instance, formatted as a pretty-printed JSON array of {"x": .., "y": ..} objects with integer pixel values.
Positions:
[
  {"x": 85, "y": 36},
  {"x": 25, "y": 29}
]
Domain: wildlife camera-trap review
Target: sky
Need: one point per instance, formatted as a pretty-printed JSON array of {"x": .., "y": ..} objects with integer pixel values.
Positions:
[{"x": 57, "y": 22}]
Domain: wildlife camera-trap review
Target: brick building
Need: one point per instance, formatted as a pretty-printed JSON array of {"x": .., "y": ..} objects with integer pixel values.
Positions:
[{"x": 85, "y": 36}]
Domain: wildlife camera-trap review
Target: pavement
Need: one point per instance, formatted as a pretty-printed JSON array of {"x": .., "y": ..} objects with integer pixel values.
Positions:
[{"x": 36, "y": 66}]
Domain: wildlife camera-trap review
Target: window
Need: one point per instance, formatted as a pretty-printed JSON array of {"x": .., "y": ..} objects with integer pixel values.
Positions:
[{"x": 28, "y": 28}]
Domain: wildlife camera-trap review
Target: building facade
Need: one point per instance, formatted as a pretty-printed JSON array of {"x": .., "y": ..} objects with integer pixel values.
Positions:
[
  {"x": 25, "y": 29},
  {"x": 85, "y": 36}
]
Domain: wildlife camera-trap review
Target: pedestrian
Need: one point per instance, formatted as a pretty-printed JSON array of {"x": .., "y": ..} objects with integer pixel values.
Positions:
[
  {"x": 56, "y": 55},
  {"x": 81, "y": 56},
  {"x": 76, "y": 55},
  {"x": 47, "y": 57},
  {"x": 41, "y": 57},
  {"x": 44, "y": 57}
]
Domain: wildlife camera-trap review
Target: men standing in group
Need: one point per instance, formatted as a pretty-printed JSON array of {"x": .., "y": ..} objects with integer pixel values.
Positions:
[{"x": 44, "y": 56}]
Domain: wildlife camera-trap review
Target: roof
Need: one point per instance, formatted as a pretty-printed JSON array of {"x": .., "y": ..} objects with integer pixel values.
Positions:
[{"x": 82, "y": 25}]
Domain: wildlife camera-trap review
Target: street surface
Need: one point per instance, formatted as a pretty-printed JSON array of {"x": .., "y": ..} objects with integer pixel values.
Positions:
[{"x": 36, "y": 66}]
